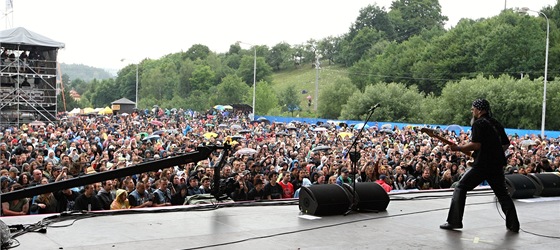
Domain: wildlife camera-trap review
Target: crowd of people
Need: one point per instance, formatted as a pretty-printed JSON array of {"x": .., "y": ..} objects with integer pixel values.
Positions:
[{"x": 268, "y": 160}]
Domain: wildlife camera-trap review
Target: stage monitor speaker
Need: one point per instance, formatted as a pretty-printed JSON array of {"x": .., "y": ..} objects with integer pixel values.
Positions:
[
  {"x": 324, "y": 199},
  {"x": 520, "y": 186},
  {"x": 548, "y": 184},
  {"x": 370, "y": 197}
]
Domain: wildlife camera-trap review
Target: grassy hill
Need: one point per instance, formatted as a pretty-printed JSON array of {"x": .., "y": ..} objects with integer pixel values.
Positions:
[
  {"x": 304, "y": 79},
  {"x": 84, "y": 72}
]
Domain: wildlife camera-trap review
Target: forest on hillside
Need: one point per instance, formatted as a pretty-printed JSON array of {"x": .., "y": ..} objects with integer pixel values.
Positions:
[{"x": 402, "y": 57}]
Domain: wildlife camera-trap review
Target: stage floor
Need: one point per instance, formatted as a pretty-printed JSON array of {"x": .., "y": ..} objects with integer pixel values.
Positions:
[{"x": 411, "y": 222}]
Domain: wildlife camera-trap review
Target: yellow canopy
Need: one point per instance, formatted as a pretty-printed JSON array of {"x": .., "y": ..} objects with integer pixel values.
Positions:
[
  {"x": 87, "y": 110},
  {"x": 106, "y": 111}
]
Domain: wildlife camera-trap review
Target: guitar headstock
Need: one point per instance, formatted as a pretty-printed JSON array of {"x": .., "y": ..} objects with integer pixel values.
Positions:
[{"x": 429, "y": 131}]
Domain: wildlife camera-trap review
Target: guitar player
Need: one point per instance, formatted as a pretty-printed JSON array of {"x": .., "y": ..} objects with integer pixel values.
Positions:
[{"x": 488, "y": 143}]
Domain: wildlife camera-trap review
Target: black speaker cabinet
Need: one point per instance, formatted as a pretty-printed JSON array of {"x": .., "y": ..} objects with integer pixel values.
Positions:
[
  {"x": 324, "y": 199},
  {"x": 369, "y": 197},
  {"x": 520, "y": 186},
  {"x": 548, "y": 184}
]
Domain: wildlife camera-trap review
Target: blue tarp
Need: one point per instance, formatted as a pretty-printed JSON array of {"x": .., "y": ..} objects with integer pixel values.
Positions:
[{"x": 509, "y": 131}]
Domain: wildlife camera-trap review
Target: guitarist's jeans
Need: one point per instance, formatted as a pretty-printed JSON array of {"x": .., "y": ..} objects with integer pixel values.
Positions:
[{"x": 470, "y": 180}]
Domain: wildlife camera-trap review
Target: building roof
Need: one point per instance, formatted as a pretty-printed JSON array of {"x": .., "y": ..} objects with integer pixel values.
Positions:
[{"x": 123, "y": 101}]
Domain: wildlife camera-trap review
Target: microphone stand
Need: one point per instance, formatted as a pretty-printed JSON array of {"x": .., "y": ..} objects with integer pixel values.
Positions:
[
  {"x": 355, "y": 157},
  {"x": 217, "y": 189}
]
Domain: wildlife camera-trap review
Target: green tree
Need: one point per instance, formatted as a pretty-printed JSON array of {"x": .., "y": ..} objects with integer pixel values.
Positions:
[
  {"x": 265, "y": 98},
  {"x": 399, "y": 103},
  {"x": 245, "y": 71},
  {"x": 198, "y": 100},
  {"x": 353, "y": 50},
  {"x": 231, "y": 90},
  {"x": 329, "y": 48},
  {"x": 202, "y": 77},
  {"x": 333, "y": 96},
  {"x": 197, "y": 51},
  {"x": 288, "y": 99},
  {"x": 374, "y": 17},
  {"x": 280, "y": 56},
  {"x": 410, "y": 17}
]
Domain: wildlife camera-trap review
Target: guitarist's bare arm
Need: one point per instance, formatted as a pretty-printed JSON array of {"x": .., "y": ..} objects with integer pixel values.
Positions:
[{"x": 471, "y": 146}]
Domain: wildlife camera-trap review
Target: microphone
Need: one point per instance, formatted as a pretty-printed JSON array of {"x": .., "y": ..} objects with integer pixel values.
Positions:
[{"x": 374, "y": 107}]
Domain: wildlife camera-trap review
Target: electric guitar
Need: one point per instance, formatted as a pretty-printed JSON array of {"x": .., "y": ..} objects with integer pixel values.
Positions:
[{"x": 436, "y": 134}]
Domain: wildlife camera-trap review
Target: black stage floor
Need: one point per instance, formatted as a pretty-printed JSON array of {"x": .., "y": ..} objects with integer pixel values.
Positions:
[{"x": 411, "y": 222}]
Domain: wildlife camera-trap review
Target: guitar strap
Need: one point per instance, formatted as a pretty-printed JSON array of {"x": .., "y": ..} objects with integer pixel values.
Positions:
[{"x": 494, "y": 128}]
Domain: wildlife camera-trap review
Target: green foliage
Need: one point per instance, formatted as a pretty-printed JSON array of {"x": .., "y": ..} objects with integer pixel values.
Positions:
[
  {"x": 246, "y": 68},
  {"x": 84, "y": 72},
  {"x": 231, "y": 90},
  {"x": 198, "y": 100},
  {"x": 373, "y": 17},
  {"x": 360, "y": 44},
  {"x": 280, "y": 56},
  {"x": 265, "y": 98},
  {"x": 410, "y": 17},
  {"x": 197, "y": 51},
  {"x": 202, "y": 77},
  {"x": 288, "y": 99},
  {"x": 403, "y": 59},
  {"x": 333, "y": 96},
  {"x": 399, "y": 103},
  {"x": 70, "y": 102}
]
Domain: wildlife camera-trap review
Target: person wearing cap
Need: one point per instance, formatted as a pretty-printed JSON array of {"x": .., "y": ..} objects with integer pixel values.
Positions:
[
  {"x": 381, "y": 181},
  {"x": 489, "y": 142},
  {"x": 343, "y": 177}
]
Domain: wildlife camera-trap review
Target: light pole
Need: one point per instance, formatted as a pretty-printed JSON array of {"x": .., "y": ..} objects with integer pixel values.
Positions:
[
  {"x": 254, "y": 75},
  {"x": 525, "y": 10}
]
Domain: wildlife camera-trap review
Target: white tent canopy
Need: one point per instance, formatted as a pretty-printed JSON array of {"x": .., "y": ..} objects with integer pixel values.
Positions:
[{"x": 21, "y": 37}]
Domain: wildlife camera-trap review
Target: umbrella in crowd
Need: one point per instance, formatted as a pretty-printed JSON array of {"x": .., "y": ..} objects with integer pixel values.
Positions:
[
  {"x": 228, "y": 107},
  {"x": 151, "y": 137},
  {"x": 237, "y": 137},
  {"x": 281, "y": 134},
  {"x": 246, "y": 151},
  {"x": 223, "y": 126},
  {"x": 345, "y": 134},
  {"x": 210, "y": 135},
  {"x": 387, "y": 126},
  {"x": 263, "y": 119},
  {"x": 37, "y": 123},
  {"x": 321, "y": 148},
  {"x": 236, "y": 126},
  {"x": 454, "y": 127},
  {"x": 360, "y": 126},
  {"x": 209, "y": 125},
  {"x": 159, "y": 132},
  {"x": 527, "y": 142},
  {"x": 156, "y": 122},
  {"x": 244, "y": 131}
]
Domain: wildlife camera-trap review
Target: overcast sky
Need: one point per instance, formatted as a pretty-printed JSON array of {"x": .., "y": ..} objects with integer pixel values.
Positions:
[{"x": 100, "y": 33}]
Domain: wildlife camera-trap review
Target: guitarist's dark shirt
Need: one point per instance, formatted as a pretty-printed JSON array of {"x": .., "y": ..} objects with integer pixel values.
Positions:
[{"x": 491, "y": 135}]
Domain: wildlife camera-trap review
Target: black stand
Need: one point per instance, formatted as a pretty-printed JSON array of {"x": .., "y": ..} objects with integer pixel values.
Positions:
[
  {"x": 217, "y": 188},
  {"x": 355, "y": 157}
]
